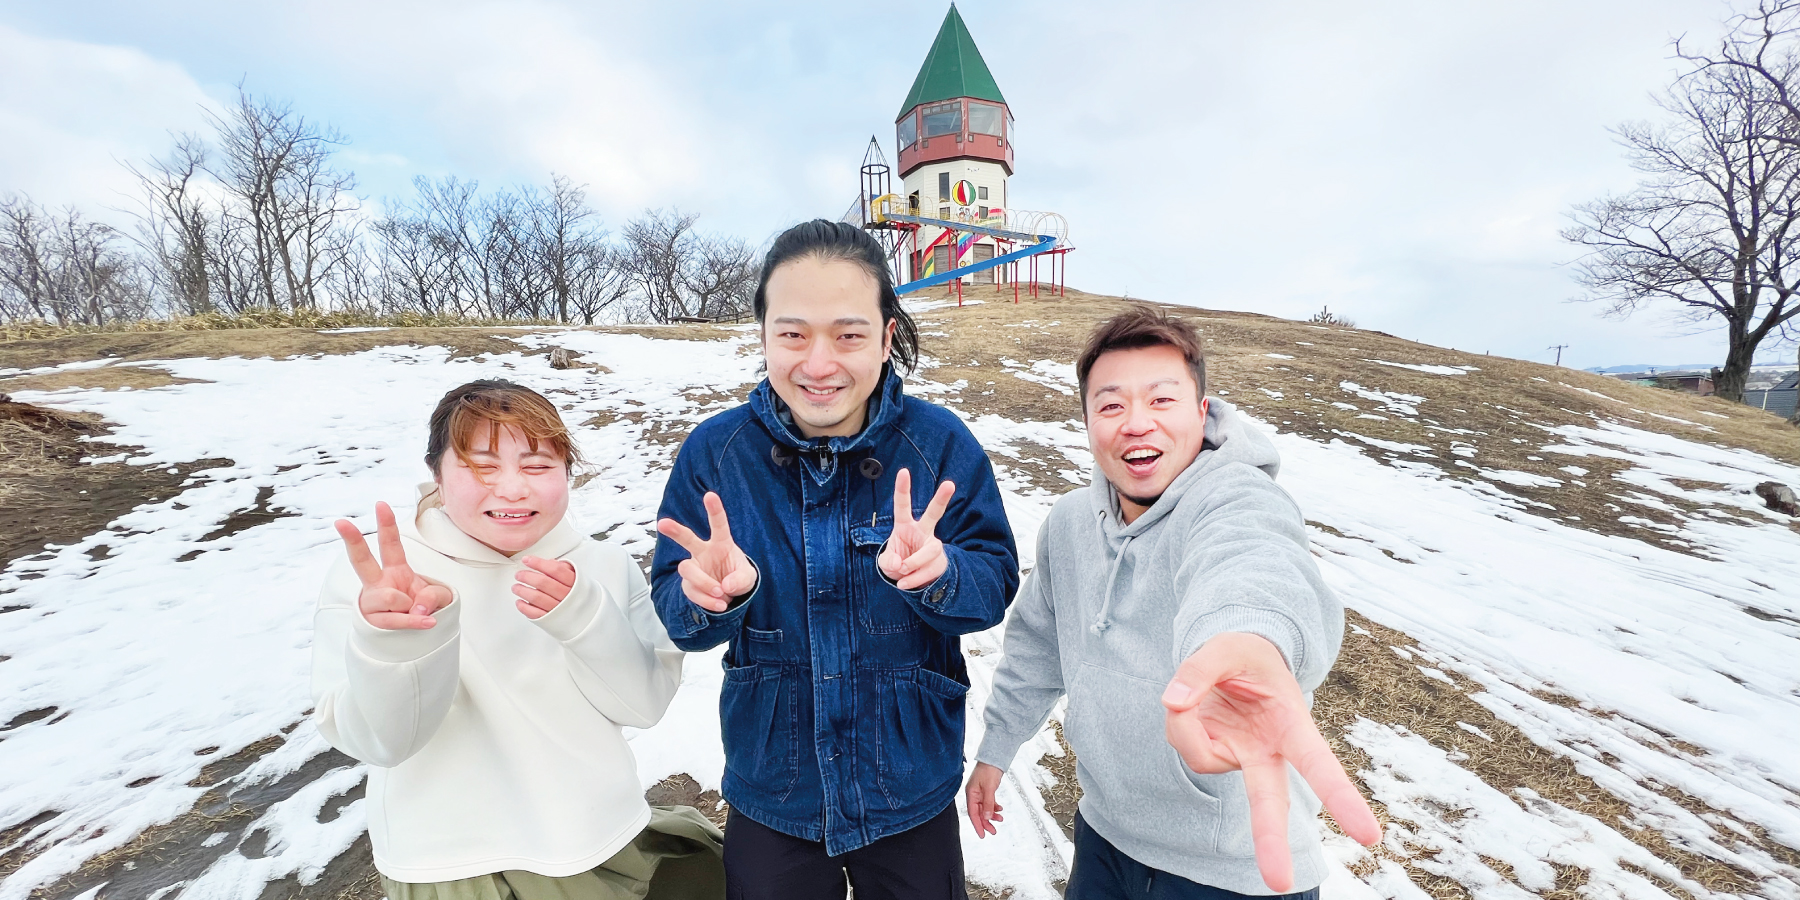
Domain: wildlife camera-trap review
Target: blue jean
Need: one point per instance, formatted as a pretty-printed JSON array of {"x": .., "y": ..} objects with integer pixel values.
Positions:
[{"x": 1103, "y": 872}]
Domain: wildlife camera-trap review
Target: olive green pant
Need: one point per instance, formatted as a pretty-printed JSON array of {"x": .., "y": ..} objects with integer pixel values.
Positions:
[{"x": 678, "y": 856}]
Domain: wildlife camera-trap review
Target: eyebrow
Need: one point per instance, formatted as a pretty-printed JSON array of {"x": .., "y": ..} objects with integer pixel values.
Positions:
[
  {"x": 492, "y": 455},
  {"x": 847, "y": 320},
  {"x": 1115, "y": 388}
]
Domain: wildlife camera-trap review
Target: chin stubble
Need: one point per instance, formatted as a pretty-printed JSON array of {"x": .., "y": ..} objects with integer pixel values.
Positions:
[{"x": 1145, "y": 502}]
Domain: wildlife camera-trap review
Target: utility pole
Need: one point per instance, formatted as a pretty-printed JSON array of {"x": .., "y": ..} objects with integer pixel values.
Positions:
[{"x": 1559, "y": 348}]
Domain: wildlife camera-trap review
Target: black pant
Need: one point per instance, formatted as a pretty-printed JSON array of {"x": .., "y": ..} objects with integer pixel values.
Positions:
[
  {"x": 922, "y": 863},
  {"x": 1102, "y": 872}
]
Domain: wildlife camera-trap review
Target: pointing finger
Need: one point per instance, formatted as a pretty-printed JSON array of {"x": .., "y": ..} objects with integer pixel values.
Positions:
[
  {"x": 681, "y": 534},
  {"x": 387, "y": 530},
  {"x": 1325, "y": 775},
  {"x": 715, "y": 519},
  {"x": 367, "y": 569},
  {"x": 1266, "y": 783},
  {"x": 902, "y": 498},
  {"x": 934, "y": 511}
]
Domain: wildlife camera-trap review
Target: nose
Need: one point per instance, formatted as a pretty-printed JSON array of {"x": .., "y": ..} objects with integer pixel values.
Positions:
[
  {"x": 510, "y": 484},
  {"x": 1138, "y": 420},
  {"x": 820, "y": 362}
]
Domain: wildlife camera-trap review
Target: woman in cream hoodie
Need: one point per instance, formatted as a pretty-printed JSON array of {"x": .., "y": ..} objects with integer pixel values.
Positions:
[{"x": 484, "y": 667}]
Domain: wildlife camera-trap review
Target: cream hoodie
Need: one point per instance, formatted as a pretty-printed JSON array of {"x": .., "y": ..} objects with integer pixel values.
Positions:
[{"x": 494, "y": 741}]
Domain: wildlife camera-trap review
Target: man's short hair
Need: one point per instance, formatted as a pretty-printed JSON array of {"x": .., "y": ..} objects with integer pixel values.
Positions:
[{"x": 1142, "y": 326}]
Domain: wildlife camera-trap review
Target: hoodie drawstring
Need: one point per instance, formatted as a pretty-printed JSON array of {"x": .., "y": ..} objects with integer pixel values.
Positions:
[{"x": 1101, "y": 623}]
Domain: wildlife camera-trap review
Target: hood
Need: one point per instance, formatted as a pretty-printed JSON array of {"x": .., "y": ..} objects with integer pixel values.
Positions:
[
  {"x": 1230, "y": 438},
  {"x": 431, "y": 526}
]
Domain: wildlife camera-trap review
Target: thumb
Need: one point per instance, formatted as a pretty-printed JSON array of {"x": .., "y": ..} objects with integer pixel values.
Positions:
[{"x": 1196, "y": 675}]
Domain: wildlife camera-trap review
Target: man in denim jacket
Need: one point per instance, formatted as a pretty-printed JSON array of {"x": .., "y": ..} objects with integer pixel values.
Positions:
[{"x": 852, "y": 534}]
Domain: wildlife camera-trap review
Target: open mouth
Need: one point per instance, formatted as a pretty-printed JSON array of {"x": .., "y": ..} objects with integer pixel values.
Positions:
[
  {"x": 510, "y": 517},
  {"x": 1142, "y": 459}
]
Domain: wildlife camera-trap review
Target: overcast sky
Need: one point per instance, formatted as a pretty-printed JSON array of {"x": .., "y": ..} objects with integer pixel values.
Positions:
[{"x": 1406, "y": 162}]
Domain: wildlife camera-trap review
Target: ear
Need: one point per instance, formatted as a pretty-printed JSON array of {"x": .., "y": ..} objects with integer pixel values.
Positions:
[{"x": 887, "y": 338}]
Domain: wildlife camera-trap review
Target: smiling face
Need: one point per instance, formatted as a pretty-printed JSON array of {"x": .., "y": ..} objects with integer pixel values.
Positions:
[
  {"x": 506, "y": 495},
  {"x": 824, "y": 342},
  {"x": 1145, "y": 422}
]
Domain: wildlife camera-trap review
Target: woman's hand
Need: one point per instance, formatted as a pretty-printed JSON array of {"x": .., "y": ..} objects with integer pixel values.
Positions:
[
  {"x": 543, "y": 584},
  {"x": 393, "y": 596}
]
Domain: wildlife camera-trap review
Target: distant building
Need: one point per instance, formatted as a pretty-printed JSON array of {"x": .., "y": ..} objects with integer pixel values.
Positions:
[
  {"x": 1683, "y": 380},
  {"x": 1779, "y": 399},
  {"x": 955, "y": 135}
]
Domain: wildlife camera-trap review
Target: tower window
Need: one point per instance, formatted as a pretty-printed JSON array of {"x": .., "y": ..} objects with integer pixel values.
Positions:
[
  {"x": 943, "y": 186},
  {"x": 943, "y": 118},
  {"x": 984, "y": 118},
  {"x": 981, "y": 193},
  {"x": 909, "y": 131}
]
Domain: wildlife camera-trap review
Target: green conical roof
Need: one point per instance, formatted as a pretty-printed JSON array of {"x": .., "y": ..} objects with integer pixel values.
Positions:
[{"x": 953, "y": 68}]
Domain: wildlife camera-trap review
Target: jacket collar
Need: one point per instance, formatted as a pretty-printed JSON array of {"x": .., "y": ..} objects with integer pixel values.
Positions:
[
  {"x": 433, "y": 528},
  {"x": 884, "y": 406}
]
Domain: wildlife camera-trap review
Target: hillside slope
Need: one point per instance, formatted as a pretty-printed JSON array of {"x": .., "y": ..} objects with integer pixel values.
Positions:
[{"x": 1569, "y": 668}]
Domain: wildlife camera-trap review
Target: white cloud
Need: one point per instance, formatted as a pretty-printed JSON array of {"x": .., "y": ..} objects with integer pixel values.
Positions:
[
  {"x": 1408, "y": 163},
  {"x": 72, "y": 111}
]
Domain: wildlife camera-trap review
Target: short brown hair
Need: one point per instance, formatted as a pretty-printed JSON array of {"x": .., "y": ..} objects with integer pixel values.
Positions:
[
  {"x": 1141, "y": 326},
  {"x": 496, "y": 404}
]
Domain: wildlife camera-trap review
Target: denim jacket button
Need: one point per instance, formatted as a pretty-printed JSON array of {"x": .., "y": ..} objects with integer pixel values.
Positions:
[{"x": 937, "y": 596}]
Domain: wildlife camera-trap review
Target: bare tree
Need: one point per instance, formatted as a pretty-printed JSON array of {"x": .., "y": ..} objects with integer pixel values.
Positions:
[
  {"x": 64, "y": 269},
  {"x": 1760, "y": 46},
  {"x": 721, "y": 277},
  {"x": 1712, "y": 227},
  {"x": 277, "y": 166},
  {"x": 657, "y": 247},
  {"x": 679, "y": 273}
]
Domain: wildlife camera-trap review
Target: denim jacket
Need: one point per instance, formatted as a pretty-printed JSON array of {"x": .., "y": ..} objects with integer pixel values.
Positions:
[{"x": 842, "y": 707}]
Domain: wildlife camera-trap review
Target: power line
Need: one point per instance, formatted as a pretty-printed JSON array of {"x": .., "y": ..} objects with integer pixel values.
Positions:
[{"x": 1559, "y": 348}]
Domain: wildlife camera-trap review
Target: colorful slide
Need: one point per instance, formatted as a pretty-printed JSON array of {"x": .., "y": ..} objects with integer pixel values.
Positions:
[{"x": 1033, "y": 243}]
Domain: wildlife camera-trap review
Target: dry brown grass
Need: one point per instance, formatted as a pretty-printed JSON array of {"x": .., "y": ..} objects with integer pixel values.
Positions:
[
  {"x": 105, "y": 378},
  {"x": 1501, "y": 413},
  {"x": 1373, "y": 682}
]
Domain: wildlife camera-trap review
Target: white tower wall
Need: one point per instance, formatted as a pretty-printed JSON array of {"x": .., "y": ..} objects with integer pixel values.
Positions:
[{"x": 925, "y": 182}]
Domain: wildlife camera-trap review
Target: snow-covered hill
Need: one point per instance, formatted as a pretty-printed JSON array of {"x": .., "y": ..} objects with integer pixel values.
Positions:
[{"x": 1538, "y": 701}]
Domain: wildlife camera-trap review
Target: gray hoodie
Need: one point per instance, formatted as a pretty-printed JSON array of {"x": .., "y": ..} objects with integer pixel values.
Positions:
[{"x": 1112, "y": 609}]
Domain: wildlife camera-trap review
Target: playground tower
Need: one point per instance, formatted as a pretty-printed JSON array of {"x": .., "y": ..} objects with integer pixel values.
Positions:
[{"x": 955, "y": 139}]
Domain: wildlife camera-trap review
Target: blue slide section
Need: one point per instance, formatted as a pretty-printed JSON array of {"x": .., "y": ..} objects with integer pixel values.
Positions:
[{"x": 1043, "y": 243}]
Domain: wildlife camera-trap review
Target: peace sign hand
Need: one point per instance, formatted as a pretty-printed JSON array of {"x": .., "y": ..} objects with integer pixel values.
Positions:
[
  {"x": 393, "y": 596},
  {"x": 914, "y": 557},
  {"x": 715, "y": 570}
]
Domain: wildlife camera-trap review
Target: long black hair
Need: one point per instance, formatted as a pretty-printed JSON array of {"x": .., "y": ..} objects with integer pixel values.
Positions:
[{"x": 827, "y": 240}]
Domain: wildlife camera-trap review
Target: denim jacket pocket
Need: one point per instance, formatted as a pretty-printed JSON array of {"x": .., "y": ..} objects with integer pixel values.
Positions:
[
  {"x": 761, "y": 727},
  {"x": 880, "y": 607},
  {"x": 920, "y": 739}
]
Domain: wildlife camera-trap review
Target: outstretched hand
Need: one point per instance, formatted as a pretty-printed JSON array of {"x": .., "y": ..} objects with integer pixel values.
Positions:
[
  {"x": 715, "y": 570},
  {"x": 913, "y": 556},
  {"x": 393, "y": 596},
  {"x": 1234, "y": 705}
]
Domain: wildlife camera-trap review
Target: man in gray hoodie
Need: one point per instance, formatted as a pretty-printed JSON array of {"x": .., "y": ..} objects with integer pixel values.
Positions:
[{"x": 1176, "y": 604}]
